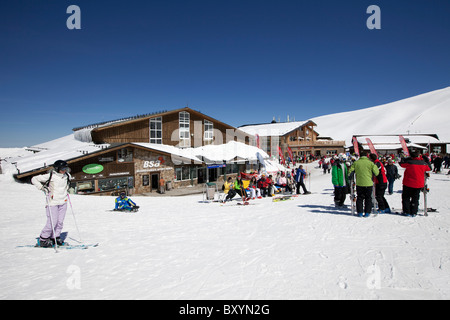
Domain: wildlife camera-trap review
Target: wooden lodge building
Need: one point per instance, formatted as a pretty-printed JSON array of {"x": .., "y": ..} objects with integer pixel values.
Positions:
[
  {"x": 298, "y": 136},
  {"x": 135, "y": 153}
]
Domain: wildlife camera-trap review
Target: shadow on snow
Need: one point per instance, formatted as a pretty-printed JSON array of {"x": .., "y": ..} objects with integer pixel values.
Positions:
[{"x": 331, "y": 209}]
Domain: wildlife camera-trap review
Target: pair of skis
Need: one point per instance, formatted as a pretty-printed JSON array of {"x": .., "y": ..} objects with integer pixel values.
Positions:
[
  {"x": 65, "y": 246},
  {"x": 425, "y": 192}
]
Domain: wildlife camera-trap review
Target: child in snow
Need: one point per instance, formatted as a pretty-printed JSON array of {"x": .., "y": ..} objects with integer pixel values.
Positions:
[
  {"x": 124, "y": 203},
  {"x": 55, "y": 185}
]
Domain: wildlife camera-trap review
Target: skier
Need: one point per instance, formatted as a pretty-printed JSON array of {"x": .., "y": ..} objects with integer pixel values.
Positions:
[
  {"x": 413, "y": 182},
  {"x": 228, "y": 190},
  {"x": 254, "y": 190},
  {"x": 124, "y": 203},
  {"x": 283, "y": 183},
  {"x": 270, "y": 186},
  {"x": 437, "y": 162},
  {"x": 364, "y": 169},
  {"x": 263, "y": 185},
  {"x": 55, "y": 185},
  {"x": 340, "y": 180},
  {"x": 391, "y": 175},
  {"x": 239, "y": 187},
  {"x": 380, "y": 182},
  {"x": 326, "y": 165},
  {"x": 299, "y": 180}
]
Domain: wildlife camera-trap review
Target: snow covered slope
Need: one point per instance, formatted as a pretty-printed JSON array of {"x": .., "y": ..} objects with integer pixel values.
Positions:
[
  {"x": 182, "y": 248},
  {"x": 426, "y": 113}
]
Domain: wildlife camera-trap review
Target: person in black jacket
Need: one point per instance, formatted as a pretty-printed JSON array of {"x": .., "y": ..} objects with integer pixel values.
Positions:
[
  {"x": 391, "y": 175},
  {"x": 437, "y": 162}
]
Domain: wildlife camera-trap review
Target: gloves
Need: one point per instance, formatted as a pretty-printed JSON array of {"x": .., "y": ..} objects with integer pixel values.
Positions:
[{"x": 45, "y": 190}]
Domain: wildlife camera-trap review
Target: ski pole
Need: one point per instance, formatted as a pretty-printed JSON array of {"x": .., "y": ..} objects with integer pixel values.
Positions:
[
  {"x": 51, "y": 221},
  {"x": 74, "y": 219}
]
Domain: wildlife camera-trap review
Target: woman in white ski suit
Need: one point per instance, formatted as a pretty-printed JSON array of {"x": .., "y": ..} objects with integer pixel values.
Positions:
[{"x": 55, "y": 184}]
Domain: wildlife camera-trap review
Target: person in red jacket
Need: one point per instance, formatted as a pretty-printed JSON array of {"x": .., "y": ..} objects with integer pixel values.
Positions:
[
  {"x": 413, "y": 182},
  {"x": 380, "y": 182}
]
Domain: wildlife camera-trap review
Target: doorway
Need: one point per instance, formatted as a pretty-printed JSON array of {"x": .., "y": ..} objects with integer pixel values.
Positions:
[{"x": 155, "y": 181}]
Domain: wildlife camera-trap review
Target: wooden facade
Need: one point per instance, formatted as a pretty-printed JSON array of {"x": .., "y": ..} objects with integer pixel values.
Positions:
[
  {"x": 139, "y": 130},
  {"x": 303, "y": 141}
]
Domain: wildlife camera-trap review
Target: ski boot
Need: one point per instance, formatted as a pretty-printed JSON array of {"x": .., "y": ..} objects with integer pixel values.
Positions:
[
  {"x": 44, "y": 243},
  {"x": 59, "y": 241}
]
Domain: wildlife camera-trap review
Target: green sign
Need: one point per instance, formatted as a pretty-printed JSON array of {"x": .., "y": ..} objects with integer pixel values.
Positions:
[{"x": 92, "y": 168}]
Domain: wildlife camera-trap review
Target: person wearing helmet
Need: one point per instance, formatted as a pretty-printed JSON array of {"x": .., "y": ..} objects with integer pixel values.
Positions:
[
  {"x": 124, "y": 203},
  {"x": 55, "y": 185}
]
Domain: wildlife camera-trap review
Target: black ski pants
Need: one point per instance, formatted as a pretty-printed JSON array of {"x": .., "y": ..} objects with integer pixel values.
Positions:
[
  {"x": 301, "y": 184},
  {"x": 364, "y": 199},
  {"x": 410, "y": 200},
  {"x": 339, "y": 195},
  {"x": 380, "y": 190}
]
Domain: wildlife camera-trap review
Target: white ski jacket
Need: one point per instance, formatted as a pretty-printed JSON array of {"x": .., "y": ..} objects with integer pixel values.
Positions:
[{"x": 58, "y": 186}]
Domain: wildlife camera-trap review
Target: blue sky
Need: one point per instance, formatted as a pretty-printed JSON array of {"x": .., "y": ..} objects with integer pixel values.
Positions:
[{"x": 238, "y": 61}]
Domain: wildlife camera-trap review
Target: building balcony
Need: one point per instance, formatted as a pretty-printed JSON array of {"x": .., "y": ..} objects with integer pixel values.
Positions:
[{"x": 316, "y": 143}]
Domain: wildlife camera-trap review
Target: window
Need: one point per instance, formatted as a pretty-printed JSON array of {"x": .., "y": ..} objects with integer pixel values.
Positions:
[
  {"x": 181, "y": 174},
  {"x": 85, "y": 186},
  {"x": 209, "y": 132},
  {"x": 232, "y": 168},
  {"x": 115, "y": 183},
  {"x": 185, "y": 134},
  {"x": 156, "y": 130},
  {"x": 145, "y": 180},
  {"x": 185, "y": 173},
  {"x": 124, "y": 155}
]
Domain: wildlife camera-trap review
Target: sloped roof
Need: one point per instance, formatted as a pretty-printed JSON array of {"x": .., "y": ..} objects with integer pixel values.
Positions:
[
  {"x": 274, "y": 129},
  {"x": 114, "y": 123}
]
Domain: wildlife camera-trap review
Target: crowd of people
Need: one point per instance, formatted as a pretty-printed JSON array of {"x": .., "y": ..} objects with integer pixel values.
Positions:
[
  {"x": 373, "y": 176},
  {"x": 263, "y": 185}
]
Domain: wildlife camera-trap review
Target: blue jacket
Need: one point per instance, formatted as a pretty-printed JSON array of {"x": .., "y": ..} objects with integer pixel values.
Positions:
[
  {"x": 300, "y": 174},
  {"x": 124, "y": 203}
]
